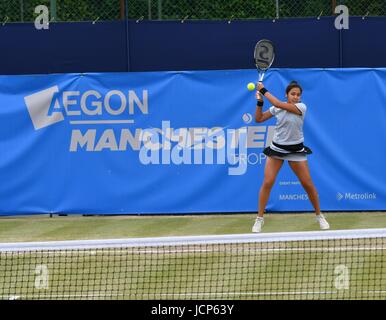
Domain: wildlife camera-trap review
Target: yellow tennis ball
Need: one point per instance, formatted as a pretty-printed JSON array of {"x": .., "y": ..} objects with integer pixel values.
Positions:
[{"x": 251, "y": 86}]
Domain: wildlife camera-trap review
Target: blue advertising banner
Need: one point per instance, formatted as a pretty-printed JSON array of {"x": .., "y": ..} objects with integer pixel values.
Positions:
[{"x": 184, "y": 142}]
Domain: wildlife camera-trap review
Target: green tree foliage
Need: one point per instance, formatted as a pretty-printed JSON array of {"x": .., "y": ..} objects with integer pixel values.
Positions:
[{"x": 90, "y": 10}]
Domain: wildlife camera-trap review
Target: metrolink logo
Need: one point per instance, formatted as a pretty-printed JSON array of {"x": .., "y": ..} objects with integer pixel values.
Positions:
[
  {"x": 155, "y": 146},
  {"x": 356, "y": 196}
]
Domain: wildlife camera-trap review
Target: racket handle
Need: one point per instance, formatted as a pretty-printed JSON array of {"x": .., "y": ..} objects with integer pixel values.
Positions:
[{"x": 262, "y": 77}]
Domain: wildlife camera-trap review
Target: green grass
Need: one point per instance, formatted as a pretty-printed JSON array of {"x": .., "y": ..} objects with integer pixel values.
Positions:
[
  {"x": 291, "y": 270},
  {"x": 300, "y": 270},
  {"x": 74, "y": 227}
]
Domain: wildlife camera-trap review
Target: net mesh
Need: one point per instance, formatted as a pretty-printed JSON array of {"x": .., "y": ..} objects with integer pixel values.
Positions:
[{"x": 326, "y": 266}]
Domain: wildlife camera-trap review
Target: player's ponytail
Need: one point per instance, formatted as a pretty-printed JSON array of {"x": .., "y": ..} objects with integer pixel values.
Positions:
[{"x": 293, "y": 84}]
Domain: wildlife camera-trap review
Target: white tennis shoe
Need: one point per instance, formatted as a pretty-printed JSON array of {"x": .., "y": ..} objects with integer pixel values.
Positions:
[
  {"x": 258, "y": 224},
  {"x": 322, "y": 222}
]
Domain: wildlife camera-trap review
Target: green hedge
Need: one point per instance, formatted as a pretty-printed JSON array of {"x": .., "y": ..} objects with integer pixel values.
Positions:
[{"x": 89, "y": 10}]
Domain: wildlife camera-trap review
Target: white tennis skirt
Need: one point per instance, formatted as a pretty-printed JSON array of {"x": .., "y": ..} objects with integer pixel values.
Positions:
[{"x": 292, "y": 157}]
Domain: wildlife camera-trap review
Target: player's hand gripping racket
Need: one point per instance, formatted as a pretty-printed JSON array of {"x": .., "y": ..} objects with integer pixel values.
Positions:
[{"x": 264, "y": 55}]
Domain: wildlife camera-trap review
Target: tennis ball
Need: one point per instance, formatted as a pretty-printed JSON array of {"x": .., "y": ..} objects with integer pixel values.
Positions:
[{"x": 251, "y": 86}]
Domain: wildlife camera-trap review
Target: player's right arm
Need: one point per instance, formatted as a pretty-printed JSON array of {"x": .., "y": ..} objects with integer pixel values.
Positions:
[
  {"x": 261, "y": 116},
  {"x": 279, "y": 104}
]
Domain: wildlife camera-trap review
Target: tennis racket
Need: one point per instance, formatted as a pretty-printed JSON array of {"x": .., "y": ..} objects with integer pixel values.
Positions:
[{"x": 264, "y": 55}]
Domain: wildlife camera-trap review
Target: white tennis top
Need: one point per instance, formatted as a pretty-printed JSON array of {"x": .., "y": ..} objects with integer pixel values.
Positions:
[{"x": 289, "y": 126}]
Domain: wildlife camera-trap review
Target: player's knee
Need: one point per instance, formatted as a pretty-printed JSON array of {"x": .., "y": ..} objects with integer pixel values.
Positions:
[
  {"x": 307, "y": 184},
  {"x": 268, "y": 183}
]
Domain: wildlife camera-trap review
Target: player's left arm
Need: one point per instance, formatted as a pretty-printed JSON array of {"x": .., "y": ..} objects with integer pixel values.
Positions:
[{"x": 279, "y": 104}]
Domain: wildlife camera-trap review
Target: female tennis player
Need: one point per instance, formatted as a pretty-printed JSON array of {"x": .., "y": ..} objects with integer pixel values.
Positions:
[{"x": 287, "y": 144}]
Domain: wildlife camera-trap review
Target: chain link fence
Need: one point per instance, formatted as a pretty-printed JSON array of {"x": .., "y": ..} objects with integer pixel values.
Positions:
[
  {"x": 94, "y": 10},
  {"x": 62, "y": 10}
]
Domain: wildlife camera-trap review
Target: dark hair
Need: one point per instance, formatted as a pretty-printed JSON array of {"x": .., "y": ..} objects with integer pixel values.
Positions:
[{"x": 293, "y": 84}]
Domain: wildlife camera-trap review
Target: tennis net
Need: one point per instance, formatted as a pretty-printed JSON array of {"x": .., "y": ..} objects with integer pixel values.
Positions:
[{"x": 347, "y": 264}]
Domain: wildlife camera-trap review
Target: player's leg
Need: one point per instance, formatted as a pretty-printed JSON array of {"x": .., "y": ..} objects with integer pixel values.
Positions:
[
  {"x": 302, "y": 171},
  {"x": 272, "y": 167},
  {"x": 300, "y": 168}
]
